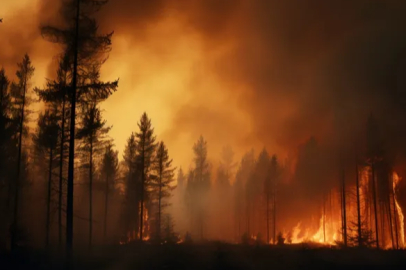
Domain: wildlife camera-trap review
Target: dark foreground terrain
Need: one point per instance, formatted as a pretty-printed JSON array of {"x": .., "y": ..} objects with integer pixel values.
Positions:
[{"x": 210, "y": 256}]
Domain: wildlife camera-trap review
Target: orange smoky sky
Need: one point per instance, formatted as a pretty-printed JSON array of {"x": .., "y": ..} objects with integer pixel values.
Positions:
[{"x": 249, "y": 74}]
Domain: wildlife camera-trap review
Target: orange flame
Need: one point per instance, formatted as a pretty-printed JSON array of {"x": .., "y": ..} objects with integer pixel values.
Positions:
[{"x": 396, "y": 180}]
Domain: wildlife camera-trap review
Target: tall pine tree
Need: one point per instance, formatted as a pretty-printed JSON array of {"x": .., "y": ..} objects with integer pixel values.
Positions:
[
  {"x": 45, "y": 140},
  {"x": 92, "y": 133},
  {"x": 162, "y": 183},
  {"x": 145, "y": 151},
  {"x": 21, "y": 100},
  {"x": 109, "y": 171}
]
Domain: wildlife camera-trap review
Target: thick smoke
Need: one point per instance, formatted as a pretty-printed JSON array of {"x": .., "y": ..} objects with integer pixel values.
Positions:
[
  {"x": 247, "y": 73},
  {"x": 259, "y": 73}
]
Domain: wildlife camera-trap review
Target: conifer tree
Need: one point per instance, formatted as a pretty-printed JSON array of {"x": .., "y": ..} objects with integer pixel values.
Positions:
[
  {"x": 45, "y": 140},
  {"x": 6, "y": 130},
  {"x": 21, "y": 100},
  {"x": 180, "y": 179},
  {"x": 162, "y": 183},
  {"x": 240, "y": 203},
  {"x": 201, "y": 181},
  {"x": 55, "y": 94},
  {"x": 86, "y": 50},
  {"x": 109, "y": 171},
  {"x": 92, "y": 133},
  {"x": 132, "y": 177},
  {"x": 145, "y": 153}
]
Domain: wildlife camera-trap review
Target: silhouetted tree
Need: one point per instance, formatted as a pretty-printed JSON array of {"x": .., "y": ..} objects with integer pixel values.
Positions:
[
  {"x": 169, "y": 235},
  {"x": 7, "y": 153},
  {"x": 87, "y": 51},
  {"x": 109, "y": 171},
  {"x": 255, "y": 192},
  {"x": 145, "y": 151},
  {"x": 7, "y": 129},
  {"x": 162, "y": 182},
  {"x": 20, "y": 98},
  {"x": 181, "y": 178},
  {"x": 131, "y": 209},
  {"x": 92, "y": 133},
  {"x": 200, "y": 184},
  {"x": 45, "y": 140},
  {"x": 274, "y": 172},
  {"x": 240, "y": 203},
  {"x": 55, "y": 94}
]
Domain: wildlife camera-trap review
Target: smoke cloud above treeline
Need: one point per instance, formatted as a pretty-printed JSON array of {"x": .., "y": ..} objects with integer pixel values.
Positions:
[{"x": 244, "y": 73}]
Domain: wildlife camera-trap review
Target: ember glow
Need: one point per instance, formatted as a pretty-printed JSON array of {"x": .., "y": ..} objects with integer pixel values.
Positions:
[{"x": 399, "y": 211}]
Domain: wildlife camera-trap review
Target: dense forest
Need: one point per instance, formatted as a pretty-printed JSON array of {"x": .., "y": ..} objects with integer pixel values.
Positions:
[{"x": 64, "y": 184}]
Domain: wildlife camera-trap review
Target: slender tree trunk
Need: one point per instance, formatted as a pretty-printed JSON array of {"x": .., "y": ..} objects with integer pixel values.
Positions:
[
  {"x": 61, "y": 174},
  {"x": 91, "y": 193},
  {"x": 375, "y": 206},
  {"x": 106, "y": 197},
  {"x": 159, "y": 206},
  {"x": 248, "y": 218},
  {"x": 17, "y": 184},
  {"x": 49, "y": 198},
  {"x": 274, "y": 213},
  {"x": 344, "y": 209},
  {"x": 382, "y": 218},
  {"x": 69, "y": 205},
  {"x": 359, "y": 231},
  {"x": 267, "y": 214},
  {"x": 142, "y": 187}
]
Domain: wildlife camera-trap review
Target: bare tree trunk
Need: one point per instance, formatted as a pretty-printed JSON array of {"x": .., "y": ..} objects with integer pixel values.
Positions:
[
  {"x": 17, "y": 184},
  {"x": 248, "y": 218},
  {"x": 106, "y": 197},
  {"x": 274, "y": 212},
  {"x": 142, "y": 188},
  {"x": 91, "y": 193},
  {"x": 159, "y": 205},
  {"x": 375, "y": 206},
  {"x": 267, "y": 215},
  {"x": 69, "y": 205},
  {"x": 61, "y": 174},
  {"x": 49, "y": 198},
  {"x": 359, "y": 231},
  {"x": 344, "y": 209},
  {"x": 382, "y": 218}
]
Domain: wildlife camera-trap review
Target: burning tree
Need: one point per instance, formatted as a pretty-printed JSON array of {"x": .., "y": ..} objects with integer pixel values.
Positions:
[
  {"x": 145, "y": 146},
  {"x": 131, "y": 207}
]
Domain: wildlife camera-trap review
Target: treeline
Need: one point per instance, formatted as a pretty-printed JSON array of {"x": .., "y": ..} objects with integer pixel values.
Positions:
[
  {"x": 231, "y": 201},
  {"x": 60, "y": 167}
]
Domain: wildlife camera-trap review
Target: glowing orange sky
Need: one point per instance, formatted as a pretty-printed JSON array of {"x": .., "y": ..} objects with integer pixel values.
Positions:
[
  {"x": 245, "y": 73},
  {"x": 164, "y": 72}
]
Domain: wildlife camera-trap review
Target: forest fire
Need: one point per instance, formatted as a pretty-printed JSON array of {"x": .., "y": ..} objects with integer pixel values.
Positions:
[
  {"x": 398, "y": 209},
  {"x": 239, "y": 128}
]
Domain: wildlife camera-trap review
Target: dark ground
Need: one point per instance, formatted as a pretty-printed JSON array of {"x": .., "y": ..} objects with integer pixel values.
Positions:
[{"x": 210, "y": 256}]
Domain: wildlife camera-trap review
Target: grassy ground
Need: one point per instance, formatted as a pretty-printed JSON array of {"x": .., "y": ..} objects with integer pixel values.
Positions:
[{"x": 210, "y": 256}]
